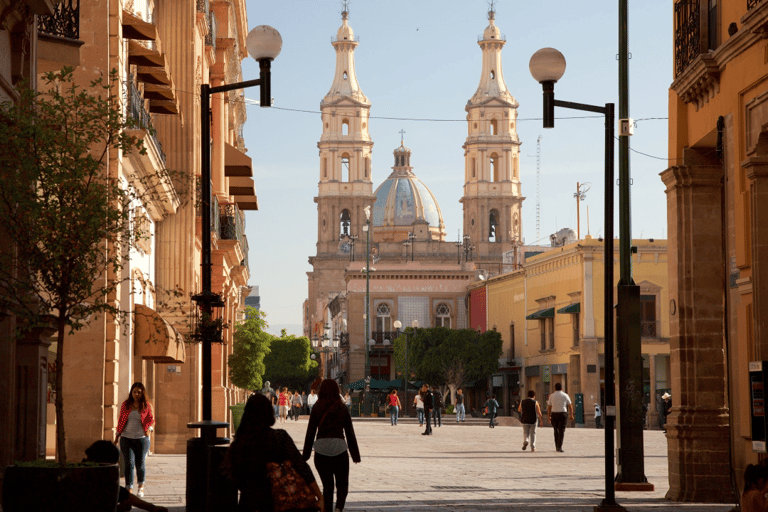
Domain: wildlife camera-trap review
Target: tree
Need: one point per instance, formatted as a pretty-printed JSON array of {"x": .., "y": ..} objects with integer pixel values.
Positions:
[
  {"x": 65, "y": 209},
  {"x": 450, "y": 357},
  {"x": 289, "y": 363},
  {"x": 251, "y": 345}
]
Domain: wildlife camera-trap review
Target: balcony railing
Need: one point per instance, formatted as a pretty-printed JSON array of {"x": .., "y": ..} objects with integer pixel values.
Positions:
[
  {"x": 753, "y": 3},
  {"x": 233, "y": 227},
  {"x": 649, "y": 329},
  {"x": 378, "y": 337},
  {"x": 210, "y": 38},
  {"x": 687, "y": 33},
  {"x": 64, "y": 22},
  {"x": 139, "y": 114},
  {"x": 215, "y": 209}
]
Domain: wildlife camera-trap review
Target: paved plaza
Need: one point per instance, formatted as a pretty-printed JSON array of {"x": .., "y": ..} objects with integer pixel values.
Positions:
[{"x": 466, "y": 467}]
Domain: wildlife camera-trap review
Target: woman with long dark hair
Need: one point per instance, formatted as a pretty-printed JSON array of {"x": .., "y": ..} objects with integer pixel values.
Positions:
[
  {"x": 133, "y": 434},
  {"x": 331, "y": 421},
  {"x": 256, "y": 444}
]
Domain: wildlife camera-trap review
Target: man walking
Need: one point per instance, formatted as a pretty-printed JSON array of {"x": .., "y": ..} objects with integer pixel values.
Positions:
[
  {"x": 559, "y": 409},
  {"x": 437, "y": 414},
  {"x": 460, "y": 411},
  {"x": 530, "y": 416},
  {"x": 429, "y": 404}
]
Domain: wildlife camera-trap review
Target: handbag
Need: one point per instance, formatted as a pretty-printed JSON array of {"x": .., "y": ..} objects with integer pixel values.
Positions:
[{"x": 289, "y": 489}]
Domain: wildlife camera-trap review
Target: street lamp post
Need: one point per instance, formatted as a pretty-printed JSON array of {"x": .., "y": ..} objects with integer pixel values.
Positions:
[
  {"x": 367, "y": 229},
  {"x": 547, "y": 67},
  {"x": 264, "y": 44}
]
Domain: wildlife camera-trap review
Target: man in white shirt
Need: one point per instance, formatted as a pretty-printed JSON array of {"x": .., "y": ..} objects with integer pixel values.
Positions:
[{"x": 559, "y": 408}]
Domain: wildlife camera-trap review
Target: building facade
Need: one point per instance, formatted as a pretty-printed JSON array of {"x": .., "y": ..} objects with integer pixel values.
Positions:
[
  {"x": 550, "y": 315},
  {"x": 414, "y": 272},
  {"x": 716, "y": 216}
]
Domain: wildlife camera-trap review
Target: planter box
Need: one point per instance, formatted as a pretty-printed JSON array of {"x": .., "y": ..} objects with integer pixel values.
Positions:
[{"x": 56, "y": 489}]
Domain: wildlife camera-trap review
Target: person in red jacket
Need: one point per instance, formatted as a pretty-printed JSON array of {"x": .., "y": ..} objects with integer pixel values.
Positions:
[
  {"x": 331, "y": 420},
  {"x": 133, "y": 426}
]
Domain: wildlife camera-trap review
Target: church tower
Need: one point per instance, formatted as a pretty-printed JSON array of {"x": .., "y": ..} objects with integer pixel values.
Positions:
[
  {"x": 345, "y": 186},
  {"x": 492, "y": 198}
]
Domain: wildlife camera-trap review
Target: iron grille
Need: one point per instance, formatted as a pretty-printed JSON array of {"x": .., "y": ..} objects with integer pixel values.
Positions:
[
  {"x": 687, "y": 34},
  {"x": 64, "y": 22},
  {"x": 140, "y": 115},
  {"x": 650, "y": 329},
  {"x": 753, "y": 3}
]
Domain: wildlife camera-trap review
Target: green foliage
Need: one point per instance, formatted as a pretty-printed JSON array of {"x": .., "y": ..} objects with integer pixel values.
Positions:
[
  {"x": 251, "y": 345},
  {"x": 66, "y": 209},
  {"x": 444, "y": 356},
  {"x": 289, "y": 363}
]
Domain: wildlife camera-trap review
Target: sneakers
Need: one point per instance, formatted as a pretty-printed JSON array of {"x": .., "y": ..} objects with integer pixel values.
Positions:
[
  {"x": 140, "y": 493},
  {"x": 525, "y": 445}
]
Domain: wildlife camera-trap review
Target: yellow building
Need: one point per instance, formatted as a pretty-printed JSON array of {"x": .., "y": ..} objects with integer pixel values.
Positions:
[
  {"x": 550, "y": 315},
  {"x": 717, "y": 186}
]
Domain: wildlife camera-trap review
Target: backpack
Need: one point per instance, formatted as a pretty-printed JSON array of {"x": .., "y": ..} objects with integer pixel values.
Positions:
[{"x": 438, "y": 399}]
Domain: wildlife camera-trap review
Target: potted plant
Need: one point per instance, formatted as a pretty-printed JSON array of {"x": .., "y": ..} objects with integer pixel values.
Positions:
[{"x": 69, "y": 217}]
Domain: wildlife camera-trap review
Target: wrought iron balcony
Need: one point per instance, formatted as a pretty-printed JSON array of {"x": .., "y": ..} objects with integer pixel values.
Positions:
[
  {"x": 379, "y": 337},
  {"x": 64, "y": 22},
  {"x": 140, "y": 115},
  {"x": 233, "y": 227},
  {"x": 753, "y": 3},
  {"x": 650, "y": 329},
  {"x": 215, "y": 209},
  {"x": 687, "y": 33}
]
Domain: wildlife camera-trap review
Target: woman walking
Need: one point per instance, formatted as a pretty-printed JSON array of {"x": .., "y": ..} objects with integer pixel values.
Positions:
[
  {"x": 133, "y": 426},
  {"x": 419, "y": 403},
  {"x": 297, "y": 405},
  {"x": 394, "y": 406},
  {"x": 256, "y": 444},
  {"x": 530, "y": 416},
  {"x": 284, "y": 402},
  {"x": 331, "y": 421}
]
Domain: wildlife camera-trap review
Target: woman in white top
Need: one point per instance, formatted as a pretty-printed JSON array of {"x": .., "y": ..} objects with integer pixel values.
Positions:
[
  {"x": 419, "y": 403},
  {"x": 311, "y": 399}
]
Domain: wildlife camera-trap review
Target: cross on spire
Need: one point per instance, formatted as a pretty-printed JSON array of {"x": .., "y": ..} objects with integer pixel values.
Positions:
[
  {"x": 491, "y": 10},
  {"x": 344, "y": 7},
  {"x": 402, "y": 132}
]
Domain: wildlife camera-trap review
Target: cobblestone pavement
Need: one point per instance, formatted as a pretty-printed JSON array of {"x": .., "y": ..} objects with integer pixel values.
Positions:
[{"x": 466, "y": 467}]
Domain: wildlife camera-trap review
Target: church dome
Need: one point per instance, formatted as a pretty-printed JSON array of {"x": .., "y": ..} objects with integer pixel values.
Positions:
[
  {"x": 491, "y": 31},
  {"x": 345, "y": 32},
  {"x": 403, "y": 201}
]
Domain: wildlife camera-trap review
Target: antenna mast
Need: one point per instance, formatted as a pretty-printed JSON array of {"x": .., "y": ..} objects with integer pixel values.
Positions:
[{"x": 538, "y": 182}]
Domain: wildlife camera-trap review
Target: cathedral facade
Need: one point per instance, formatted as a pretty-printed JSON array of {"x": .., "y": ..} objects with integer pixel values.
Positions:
[{"x": 382, "y": 253}]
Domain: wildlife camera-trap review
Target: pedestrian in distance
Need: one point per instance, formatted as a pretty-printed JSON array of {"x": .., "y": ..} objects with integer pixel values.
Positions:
[
  {"x": 133, "y": 427},
  {"x": 460, "y": 410},
  {"x": 530, "y": 416},
  {"x": 255, "y": 445},
  {"x": 492, "y": 406},
  {"x": 419, "y": 404},
  {"x": 348, "y": 402},
  {"x": 429, "y": 403},
  {"x": 311, "y": 399},
  {"x": 559, "y": 409},
  {"x": 666, "y": 408},
  {"x": 304, "y": 405},
  {"x": 393, "y": 401},
  {"x": 437, "y": 398},
  {"x": 331, "y": 434},
  {"x": 598, "y": 416},
  {"x": 283, "y": 400},
  {"x": 297, "y": 405},
  {"x": 104, "y": 452}
]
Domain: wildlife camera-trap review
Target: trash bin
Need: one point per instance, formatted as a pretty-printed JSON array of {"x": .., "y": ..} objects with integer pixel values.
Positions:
[{"x": 237, "y": 415}]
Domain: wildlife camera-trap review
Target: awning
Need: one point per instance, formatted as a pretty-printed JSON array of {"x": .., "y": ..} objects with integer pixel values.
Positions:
[
  {"x": 573, "y": 309},
  {"x": 163, "y": 107},
  {"x": 542, "y": 313},
  {"x": 154, "y": 338},
  {"x": 154, "y": 75},
  {"x": 236, "y": 163},
  {"x": 136, "y": 28},
  {"x": 241, "y": 186},
  {"x": 247, "y": 202},
  {"x": 141, "y": 55}
]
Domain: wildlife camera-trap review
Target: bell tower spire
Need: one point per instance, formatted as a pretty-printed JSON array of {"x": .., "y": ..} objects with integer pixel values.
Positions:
[
  {"x": 345, "y": 187},
  {"x": 492, "y": 198}
]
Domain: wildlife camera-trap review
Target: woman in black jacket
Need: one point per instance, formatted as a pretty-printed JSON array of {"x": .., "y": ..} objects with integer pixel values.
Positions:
[
  {"x": 331, "y": 420},
  {"x": 255, "y": 444}
]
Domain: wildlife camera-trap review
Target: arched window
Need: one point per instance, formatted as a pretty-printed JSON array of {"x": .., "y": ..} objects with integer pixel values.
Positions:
[
  {"x": 495, "y": 167},
  {"x": 494, "y": 127},
  {"x": 345, "y": 166},
  {"x": 344, "y": 226},
  {"x": 325, "y": 167},
  {"x": 443, "y": 315},
  {"x": 345, "y": 127},
  {"x": 367, "y": 166},
  {"x": 474, "y": 171},
  {"x": 383, "y": 319},
  {"x": 493, "y": 226}
]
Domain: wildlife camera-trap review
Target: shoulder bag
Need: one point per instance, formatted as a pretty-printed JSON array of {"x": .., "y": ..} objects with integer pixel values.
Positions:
[{"x": 289, "y": 489}]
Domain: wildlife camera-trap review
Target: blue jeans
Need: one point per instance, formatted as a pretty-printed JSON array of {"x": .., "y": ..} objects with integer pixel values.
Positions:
[
  {"x": 420, "y": 414},
  {"x": 460, "y": 411},
  {"x": 393, "y": 411},
  {"x": 134, "y": 455},
  {"x": 437, "y": 417}
]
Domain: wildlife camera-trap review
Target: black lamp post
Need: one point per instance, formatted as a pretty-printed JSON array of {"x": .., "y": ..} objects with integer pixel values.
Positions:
[
  {"x": 367, "y": 229},
  {"x": 547, "y": 67},
  {"x": 264, "y": 44}
]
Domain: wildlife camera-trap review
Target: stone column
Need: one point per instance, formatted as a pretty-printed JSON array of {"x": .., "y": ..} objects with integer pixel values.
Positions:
[
  {"x": 698, "y": 427},
  {"x": 756, "y": 169},
  {"x": 653, "y": 412}
]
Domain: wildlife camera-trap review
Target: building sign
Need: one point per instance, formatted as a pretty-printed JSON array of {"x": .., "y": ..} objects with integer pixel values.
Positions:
[
  {"x": 545, "y": 374},
  {"x": 498, "y": 381}
]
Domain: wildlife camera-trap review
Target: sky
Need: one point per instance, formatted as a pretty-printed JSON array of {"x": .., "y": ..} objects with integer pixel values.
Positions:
[{"x": 418, "y": 62}]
